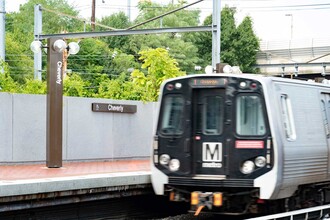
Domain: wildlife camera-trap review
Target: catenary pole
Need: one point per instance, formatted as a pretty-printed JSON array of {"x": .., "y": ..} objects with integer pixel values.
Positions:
[
  {"x": 2, "y": 31},
  {"x": 37, "y": 33},
  {"x": 216, "y": 34}
]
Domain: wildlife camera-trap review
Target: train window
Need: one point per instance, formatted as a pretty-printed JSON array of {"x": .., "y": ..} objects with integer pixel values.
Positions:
[
  {"x": 249, "y": 116},
  {"x": 172, "y": 115},
  {"x": 325, "y": 119},
  {"x": 287, "y": 116},
  {"x": 212, "y": 115}
]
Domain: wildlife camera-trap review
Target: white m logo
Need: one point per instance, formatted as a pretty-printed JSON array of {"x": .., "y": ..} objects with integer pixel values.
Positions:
[{"x": 212, "y": 152}]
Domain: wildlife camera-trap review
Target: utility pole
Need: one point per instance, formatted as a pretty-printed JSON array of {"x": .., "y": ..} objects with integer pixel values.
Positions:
[
  {"x": 216, "y": 34},
  {"x": 2, "y": 31},
  {"x": 37, "y": 32},
  {"x": 93, "y": 15},
  {"x": 129, "y": 10}
]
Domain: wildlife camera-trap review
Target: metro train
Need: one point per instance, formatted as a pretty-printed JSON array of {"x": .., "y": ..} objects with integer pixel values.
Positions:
[{"x": 242, "y": 143}]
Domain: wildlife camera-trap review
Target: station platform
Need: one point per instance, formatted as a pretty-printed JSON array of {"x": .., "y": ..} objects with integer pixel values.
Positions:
[{"x": 23, "y": 182}]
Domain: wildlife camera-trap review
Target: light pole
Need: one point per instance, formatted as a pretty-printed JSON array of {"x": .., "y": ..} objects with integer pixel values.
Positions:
[
  {"x": 54, "y": 112},
  {"x": 290, "y": 15},
  {"x": 2, "y": 32}
]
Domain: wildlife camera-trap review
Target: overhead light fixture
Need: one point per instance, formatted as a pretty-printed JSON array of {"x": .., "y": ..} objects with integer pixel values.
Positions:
[
  {"x": 73, "y": 48},
  {"x": 59, "y": 45},
  {"x": 208, "y": 69},
  {"x": 36, "y": 46}
]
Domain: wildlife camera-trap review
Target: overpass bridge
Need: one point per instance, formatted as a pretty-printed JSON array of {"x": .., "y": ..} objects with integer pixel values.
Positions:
[{"x": 297, "y": 57}]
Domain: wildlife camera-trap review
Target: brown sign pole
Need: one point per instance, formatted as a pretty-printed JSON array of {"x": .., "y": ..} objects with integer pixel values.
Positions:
[{"x": 54, "y": 106}]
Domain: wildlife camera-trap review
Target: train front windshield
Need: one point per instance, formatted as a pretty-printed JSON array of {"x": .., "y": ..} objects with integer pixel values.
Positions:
[{"x": 173, "y": 115}]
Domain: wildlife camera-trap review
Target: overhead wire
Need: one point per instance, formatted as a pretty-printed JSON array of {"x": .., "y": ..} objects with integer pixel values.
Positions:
[
  {"x": 260, "y": 8},
  {"x": 77, "y": 18}
]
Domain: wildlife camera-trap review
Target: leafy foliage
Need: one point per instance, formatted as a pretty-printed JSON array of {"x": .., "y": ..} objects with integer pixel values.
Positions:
[
  {"x": 74, "y": 85},
  {"x": 33, "y": 86},
  {"x": 180, "y": 48},
  {"x": 52, "y": 23},
  {"x": 104, "y": 66},
  {"x": 7, "y": 84},
  {"x": 19, "y": 63},
  {"x": 239, "y": 45},
  {"x": 118, "y": 21},
  {"x": 248, "y": 45},
  {"x": 160, "y": 67},
  {"x": 118, "y": 88}
]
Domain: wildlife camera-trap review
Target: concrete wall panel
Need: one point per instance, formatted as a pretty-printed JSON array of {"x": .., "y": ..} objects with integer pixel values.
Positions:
[
  {"x": 6, "y": 136},
  {"x": 87, "y": 131},
  {"x": 29, "y": 127},
  {"x": 133, "y": 132},
  {"x": 87, "y": 135}
]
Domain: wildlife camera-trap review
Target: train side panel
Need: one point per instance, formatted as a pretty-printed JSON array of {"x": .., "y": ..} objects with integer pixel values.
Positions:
[{"x": 301, "y": 136}]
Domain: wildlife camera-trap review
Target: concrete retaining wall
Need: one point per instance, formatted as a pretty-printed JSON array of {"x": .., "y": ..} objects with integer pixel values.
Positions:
[{"x": 87, "y": 135}]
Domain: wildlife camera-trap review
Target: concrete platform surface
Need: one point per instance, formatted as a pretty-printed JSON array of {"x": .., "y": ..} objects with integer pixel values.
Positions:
[{"x": 26, "y": 179}]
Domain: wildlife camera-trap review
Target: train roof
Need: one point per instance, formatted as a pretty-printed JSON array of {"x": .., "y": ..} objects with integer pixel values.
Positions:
[{"x": 258, "y": 77}]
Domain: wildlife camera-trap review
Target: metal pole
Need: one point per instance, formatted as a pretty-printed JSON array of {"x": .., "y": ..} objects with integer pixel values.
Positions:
[
  {"x": 54, "y": 106},
  {"x": 216, "y": 34},
  {"x": 37, "y": 33},
  {"x": 129, "y": 10},
  {"x": 2, "y": 32},
  {"x": 93, "y": 15},
  {"x": 81, "y": 35}
]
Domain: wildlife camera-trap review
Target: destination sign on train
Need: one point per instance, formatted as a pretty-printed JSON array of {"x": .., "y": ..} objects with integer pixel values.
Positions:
[
  {"x": 208, "y": 82},
  {"x": 117, "y": 108}
]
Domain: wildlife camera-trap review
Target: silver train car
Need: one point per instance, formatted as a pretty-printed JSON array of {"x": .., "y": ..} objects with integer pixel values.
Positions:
[{"x": 242, "y": 143}]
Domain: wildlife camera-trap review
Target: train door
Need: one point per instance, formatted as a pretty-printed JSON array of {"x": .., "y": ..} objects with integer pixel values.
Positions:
[
  {"x": 325, "y": 107},
  {"x": 208, "y": 125}
]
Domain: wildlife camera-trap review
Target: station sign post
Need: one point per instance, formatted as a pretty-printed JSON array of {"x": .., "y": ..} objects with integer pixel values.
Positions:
[{"x": 54, "y": 105}]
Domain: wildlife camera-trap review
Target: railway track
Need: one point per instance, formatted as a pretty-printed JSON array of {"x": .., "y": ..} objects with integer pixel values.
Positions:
[
  {"x": 134, "y": 207},
  {"x": 145, "y": 207}
]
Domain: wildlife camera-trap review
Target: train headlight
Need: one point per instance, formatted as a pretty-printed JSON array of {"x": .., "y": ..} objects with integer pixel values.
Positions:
[
  {"x": 260, "y": 161},
  {"x": 247, "y": 167},
  {"x": 164, "y": 159},
  {"x": 174, "y": 165},
  {"x": 178, "y": 85}
]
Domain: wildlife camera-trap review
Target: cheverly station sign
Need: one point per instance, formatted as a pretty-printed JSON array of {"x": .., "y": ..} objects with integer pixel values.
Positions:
[{"x": 117, "y": 108}]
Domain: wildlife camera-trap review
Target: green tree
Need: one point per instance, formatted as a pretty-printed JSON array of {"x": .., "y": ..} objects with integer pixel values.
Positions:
[
  {"x": 247, "y": 45},
  {"x": 238, "y": 44},
  {"x": 93, "y": 59},
  {"x": 7, "y": 84},
  {"x": 122, "y": 64},
  {"x": 160, "y": 66},
  {"x": 118, "y": 21},
  {"x": 118, "y": 88},
  {"x": 229, "y": 37},
  {"x": 179, "y": 46},
  {"x": 74, "y": 85},
  {"x": 52, "y": 22},
  {"x": 19, "y": 33},
  {"x": 19, "y": 63},
  {"x": 33, "y": 86}
]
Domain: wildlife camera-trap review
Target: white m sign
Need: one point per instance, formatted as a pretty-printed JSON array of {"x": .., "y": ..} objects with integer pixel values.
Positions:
[{"x": 212, "y": 152}]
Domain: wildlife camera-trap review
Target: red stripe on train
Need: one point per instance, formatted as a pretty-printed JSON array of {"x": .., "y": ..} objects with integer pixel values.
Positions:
[{"x": 249, "y": 144}]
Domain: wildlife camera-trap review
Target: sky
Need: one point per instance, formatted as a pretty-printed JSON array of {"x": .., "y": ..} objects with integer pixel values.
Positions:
[{"x": 273, "y": 19}]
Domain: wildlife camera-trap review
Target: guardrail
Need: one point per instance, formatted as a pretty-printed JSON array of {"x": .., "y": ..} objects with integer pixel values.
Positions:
[{"x": 319, "y": 212}]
